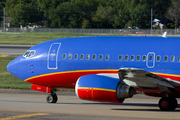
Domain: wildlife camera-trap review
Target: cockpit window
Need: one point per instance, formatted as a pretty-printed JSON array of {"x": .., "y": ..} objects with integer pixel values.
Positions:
[{"x": 29, "y": 53}]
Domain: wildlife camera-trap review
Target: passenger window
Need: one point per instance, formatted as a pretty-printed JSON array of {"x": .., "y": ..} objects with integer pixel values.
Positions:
[
  {"x": 143, "y": 58},
  {"x": 132, "y": 57},
  {"x": 138, "y": 57},
  {"x": 126, "y": 57},
  {"x": 165, "y": 58},
  {"x": 87, "y": 57},
  {"x": 158, "y": 58},
  {"x": 70, "y": 56},
  {"x": 64, "y": 56},
  {"x": 100, "y": 57},
  {"x": 93, "y": 56},
  {"x": 172, "y": 58},
  {"x": 120, "y": 57},
  {"x": 178, "y": 59},
  {"x": 76, "y": 56},
  {"x": 81, "y": 57},
  {"x": 107, "y": 57},
  {"x": 150, "y": 58}
]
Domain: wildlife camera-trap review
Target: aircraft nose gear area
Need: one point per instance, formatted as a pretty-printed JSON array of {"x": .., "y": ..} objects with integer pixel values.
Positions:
[
  {"x": 167, "y": 103},
  {"x": 52, "y": 98}
]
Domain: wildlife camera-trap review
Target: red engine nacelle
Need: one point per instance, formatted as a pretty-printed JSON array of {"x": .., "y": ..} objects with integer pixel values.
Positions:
[{"x": 102, "y": 89}]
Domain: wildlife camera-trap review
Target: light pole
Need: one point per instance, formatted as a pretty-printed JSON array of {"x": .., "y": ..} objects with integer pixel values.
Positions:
[{"x": 4, "y": 21}]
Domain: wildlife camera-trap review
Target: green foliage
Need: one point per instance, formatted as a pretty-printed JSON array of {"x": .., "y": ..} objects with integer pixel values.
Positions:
[
  {"x": 2, "y": 5},
  {"x": 132, "y": 13},
  {"x": 86, "y": 24},
  {"x": 23, "y": 12},
  {"x": 86, "y": 13},
  {"x": 71, "y": 14},
  {"x": 173, "y": 12},
  {"x": 65, "y": 16},
  {"x": 105, "y": 16}
]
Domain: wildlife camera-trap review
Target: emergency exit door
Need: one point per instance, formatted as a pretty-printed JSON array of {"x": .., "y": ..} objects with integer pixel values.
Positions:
[{"x": 150, "y": 60}]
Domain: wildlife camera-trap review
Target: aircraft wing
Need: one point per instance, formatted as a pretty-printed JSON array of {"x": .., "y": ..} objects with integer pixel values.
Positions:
[{"x": 144, "y": 79}]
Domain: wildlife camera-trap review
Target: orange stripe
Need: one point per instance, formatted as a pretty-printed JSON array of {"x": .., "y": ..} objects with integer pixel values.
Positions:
[
  {"x": 166, "y": 74},
  {"x": 97, "y": 89}
]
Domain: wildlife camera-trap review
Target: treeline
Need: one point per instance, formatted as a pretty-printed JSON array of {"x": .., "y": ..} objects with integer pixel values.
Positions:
[{"x": 87, "y": 13}]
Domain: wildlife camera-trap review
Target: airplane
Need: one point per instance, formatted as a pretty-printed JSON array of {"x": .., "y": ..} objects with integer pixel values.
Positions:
[{"x": 104, "y": 68}]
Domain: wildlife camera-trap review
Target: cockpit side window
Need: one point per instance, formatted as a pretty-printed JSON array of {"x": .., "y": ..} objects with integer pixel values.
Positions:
[{"x": 29, "y": 53}]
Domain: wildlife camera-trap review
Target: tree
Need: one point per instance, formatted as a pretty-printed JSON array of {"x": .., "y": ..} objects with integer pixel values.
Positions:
[
  {"x": 2, "y": 4},
  {"x": 138, "y": 15},
  {"x": 86, "y": 13},
  {"x": 64, "y": 15},
  {"x": 132, "y": 13},
  {"x": 173, "y": 12},
  {"x": 88, "y": 10},
  {"x": 23, "y": 12},
  {"x": 72, "y": 14},
  {"x": 46, "y": 5},
  {"x": 105, "y": 16}
]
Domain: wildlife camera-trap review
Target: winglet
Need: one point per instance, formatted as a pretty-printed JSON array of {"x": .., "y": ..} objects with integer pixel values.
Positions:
[{"x": 164, "y": 35}]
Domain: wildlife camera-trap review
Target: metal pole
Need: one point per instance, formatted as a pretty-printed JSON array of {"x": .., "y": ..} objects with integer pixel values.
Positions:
[
  {"x": 151, "y": 20},
  {"x": 4, "y": 21}
]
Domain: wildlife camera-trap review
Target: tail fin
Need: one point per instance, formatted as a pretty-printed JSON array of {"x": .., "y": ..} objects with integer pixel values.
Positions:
[{"x": 164, "y": 35}]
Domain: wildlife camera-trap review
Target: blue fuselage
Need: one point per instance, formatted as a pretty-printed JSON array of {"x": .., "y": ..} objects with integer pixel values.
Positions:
[{"x": 152, "y": 54}]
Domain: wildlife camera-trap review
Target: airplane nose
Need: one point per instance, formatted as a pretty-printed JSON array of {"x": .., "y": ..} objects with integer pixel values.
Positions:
[
  {"x": 11, "y": 67},
  {"x": 15, "y": 67}
]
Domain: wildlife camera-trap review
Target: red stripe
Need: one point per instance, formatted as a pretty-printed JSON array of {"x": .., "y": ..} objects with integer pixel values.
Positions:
[
  {"x": 68, "y": 79},
  {"x": 173, "y": 77},
  {"x": 62, "y": 80}
]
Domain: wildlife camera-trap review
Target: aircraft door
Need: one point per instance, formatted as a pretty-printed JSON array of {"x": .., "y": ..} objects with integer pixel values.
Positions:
[
  {"x": 53, "y": 56},
  {"x": 150, "y": 60}
]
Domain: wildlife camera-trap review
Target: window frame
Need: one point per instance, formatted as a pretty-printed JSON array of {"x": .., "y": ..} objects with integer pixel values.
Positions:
[
  {"x": 144, "y": 56},
  {"x": 173, "y": 58},
  {"x": 178, "y": 58},
  {"x": 126, "y": 56},
  {"x": 139, "y": 58},
  {"x": 150, "y": 58},
  {"x": 87, "y": 56},
  {"x": 76, "y": 57},
  {"x": 164, "y": 58},
  {"x": 121, "y": 57},
  {"x": 100, "y": 56},
  {"x": 94, "y": 55},
  {"x": 69, "y": 56},
  {"x": 131, "y": 57},
  {"x": 107, "y": 56},
  {"x": 82, "y": 56},
  {"x": 159, "y": 58},
  {"x": 64, "y": 56}
]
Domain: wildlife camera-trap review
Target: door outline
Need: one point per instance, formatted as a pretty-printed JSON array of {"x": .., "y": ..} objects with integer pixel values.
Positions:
[
  {"x": 153, "y": 60},
  {"x": 53, "y": 54}
]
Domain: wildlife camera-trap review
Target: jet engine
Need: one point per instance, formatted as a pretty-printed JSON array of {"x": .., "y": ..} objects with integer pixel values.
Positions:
[{"x": 102, "y": 89}]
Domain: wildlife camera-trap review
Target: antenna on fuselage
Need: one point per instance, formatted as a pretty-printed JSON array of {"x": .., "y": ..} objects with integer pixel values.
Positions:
[{"x": 164, "y": 35}]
